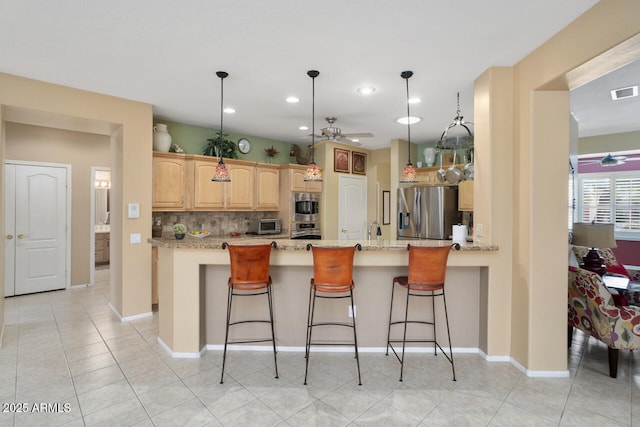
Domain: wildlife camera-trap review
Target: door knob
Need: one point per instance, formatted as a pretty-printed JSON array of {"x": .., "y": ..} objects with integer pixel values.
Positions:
[
  {"x": 22, "y": 236},
  {"x": 9, "y": 236}
]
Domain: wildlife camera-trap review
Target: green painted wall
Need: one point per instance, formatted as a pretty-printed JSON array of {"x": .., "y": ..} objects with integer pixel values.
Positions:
[{"x": 193, "y": 139}]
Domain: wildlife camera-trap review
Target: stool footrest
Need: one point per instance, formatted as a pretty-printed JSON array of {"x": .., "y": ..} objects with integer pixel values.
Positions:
[
  {"x": 249, "y": 341},
  {"x": 348, "y": 325},
  {"x": 239, "y": 322}
]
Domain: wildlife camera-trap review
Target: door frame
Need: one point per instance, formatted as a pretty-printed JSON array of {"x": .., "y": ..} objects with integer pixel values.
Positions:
[
  {"x": 92, "y": 224},
  {"x": 67, "y": 168}
]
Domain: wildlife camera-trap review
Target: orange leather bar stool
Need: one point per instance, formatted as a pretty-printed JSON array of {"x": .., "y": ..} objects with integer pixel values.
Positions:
[
  {"x": 249, "y": 277},
  {"x": 427, "y": 269},
  {"x": 332, "y": 279}
]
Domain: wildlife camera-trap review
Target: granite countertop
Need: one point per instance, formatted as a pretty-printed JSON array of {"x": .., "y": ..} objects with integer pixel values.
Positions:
[{"x": 284, "y": 243}]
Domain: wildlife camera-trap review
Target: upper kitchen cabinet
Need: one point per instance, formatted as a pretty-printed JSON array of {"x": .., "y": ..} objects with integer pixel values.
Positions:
[
  {"x": 267, "y": 187},
  {"x": 296, "y": 179},
  {"x": 207, "y": 195},
  {"x": 169, "y": 173},
  {"x": 465, "y": 196},
  {"x": 235, "y": 195}
]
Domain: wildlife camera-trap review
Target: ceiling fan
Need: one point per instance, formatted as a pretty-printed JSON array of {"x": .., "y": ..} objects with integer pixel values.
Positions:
[
  {"x": 333, "y": 133},
  {"x": 610, "y": 160}
]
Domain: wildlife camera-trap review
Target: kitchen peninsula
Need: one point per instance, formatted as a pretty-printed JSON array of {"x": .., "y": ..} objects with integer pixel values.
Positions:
[{"x": 192, "y": 282}]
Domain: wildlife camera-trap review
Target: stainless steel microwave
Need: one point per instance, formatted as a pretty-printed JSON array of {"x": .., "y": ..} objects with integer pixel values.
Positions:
[
  {"x": 265, "y": 226},
  {"x": 305, "y": 206}
]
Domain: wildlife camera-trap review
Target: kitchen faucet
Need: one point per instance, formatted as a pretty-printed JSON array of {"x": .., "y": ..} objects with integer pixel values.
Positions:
[{"x": 378, "y": 232}]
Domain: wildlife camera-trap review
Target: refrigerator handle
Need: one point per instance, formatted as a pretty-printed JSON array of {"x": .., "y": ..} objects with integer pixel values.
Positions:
[{"x": 416, "y": 211}]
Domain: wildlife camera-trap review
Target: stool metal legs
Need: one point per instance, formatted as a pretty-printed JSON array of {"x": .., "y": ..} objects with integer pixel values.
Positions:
[
  {"x": 230, "y": 295},
  {"x": 406, "y": 321},
  {"x": 310, "y": 316}
]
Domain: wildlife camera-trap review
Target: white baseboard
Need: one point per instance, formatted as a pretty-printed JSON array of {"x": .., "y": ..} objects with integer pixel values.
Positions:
[
  {"x": 2, "y": 333},
  {"x": 180, "y": 355},
  {"x": 129, "y": 318}
]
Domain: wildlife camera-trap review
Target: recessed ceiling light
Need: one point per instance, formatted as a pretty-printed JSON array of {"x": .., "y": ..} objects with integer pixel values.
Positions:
[
  {"x": 411, "y": 120},
  {"x": 229, "y": 110},
  {"x": 366, "y": 90},
  {"x": 625, "y": 92},
  {"x": 303, "y": 128},
  {"x": 414, "y": 100},
  {"x": 292, "y": 99}
]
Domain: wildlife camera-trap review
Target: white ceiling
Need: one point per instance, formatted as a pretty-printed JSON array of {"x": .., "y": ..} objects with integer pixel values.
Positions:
[{"x": 166, "y": 53}]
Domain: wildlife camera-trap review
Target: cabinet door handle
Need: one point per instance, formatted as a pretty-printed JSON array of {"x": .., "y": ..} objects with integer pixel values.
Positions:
[
  {"x": 343, "y": 230},
  {"x": 22, "y": 236},
  {"x": 9, "y": 236}
]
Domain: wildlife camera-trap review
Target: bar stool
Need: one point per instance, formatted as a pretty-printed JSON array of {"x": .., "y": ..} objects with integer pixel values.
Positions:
[
  {"x": 332, "y": 279},
  {"x": 249, "y": 277},
  {"x": 427, "y": 269}
]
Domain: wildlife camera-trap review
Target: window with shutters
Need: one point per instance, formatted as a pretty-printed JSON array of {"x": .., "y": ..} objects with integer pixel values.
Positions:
[{"x": 611, "y": 197}]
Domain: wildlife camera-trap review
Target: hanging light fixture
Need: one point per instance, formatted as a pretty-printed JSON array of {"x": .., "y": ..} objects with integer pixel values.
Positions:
[
  {"x": 221, "y": 174},
  {"x": 313, "y": 172},
  {"x": 409, "y": 174}
]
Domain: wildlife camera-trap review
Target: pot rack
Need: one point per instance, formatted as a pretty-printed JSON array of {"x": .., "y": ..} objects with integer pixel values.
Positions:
[{"x": 447, "y": 142}]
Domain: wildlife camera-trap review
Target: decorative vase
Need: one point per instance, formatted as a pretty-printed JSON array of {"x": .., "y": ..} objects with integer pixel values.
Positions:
[
  {"x": 179, "y": 236},
  {"x": 429, "y": 156},
  {"x": 161, "y": 138}
]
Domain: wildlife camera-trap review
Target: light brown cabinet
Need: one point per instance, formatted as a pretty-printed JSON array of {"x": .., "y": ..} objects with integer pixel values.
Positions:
[
  {"x": 101, "y": 249},
  {"x": 267, "y": 187},
  {"x": 465, "y": 196},
  {"x": 187, "y": 184},
  {"x": 169, "y": 173},
  {"x": 297, "y": 183}
]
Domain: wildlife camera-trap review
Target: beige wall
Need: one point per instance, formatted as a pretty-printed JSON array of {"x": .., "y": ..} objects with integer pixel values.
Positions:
[
  {"x": 81, "y": 151},
  {"x": 541, "y": 125},
  {"x": 129, "y": 127}
]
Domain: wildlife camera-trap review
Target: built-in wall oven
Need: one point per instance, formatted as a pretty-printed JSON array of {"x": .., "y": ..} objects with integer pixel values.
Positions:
[{"x": 305, "y": 209}]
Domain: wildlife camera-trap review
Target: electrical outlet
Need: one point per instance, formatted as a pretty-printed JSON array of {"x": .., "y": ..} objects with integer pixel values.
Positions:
[
  {"x": 355, "y": 310},
  {"x": 479, "y": 230}
]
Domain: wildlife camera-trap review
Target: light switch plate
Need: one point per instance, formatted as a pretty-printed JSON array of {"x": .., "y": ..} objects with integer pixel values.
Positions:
[
  {"x": 134, "y": 210},
  {"x": 134, "y": 238}
]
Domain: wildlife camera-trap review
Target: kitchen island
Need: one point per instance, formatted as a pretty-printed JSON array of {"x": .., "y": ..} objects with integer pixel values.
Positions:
[{"x": 192, "y": 282}]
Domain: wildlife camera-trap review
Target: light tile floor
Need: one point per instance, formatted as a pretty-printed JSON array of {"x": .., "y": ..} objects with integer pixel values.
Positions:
[{"x": 69, "y": 348}]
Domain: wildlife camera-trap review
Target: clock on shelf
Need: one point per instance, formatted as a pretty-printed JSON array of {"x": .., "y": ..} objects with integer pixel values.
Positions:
[{"x": 244, "y": 145}]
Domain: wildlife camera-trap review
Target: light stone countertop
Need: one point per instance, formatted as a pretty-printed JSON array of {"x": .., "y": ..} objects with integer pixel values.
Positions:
[{"x": 284, "y": 243}]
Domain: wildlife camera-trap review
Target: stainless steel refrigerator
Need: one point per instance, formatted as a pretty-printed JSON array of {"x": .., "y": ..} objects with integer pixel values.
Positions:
[{"x": 427, "y": 212}]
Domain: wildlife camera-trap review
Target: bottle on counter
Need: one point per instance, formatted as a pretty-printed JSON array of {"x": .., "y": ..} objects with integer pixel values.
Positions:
[{"x": 156, "y": 228}]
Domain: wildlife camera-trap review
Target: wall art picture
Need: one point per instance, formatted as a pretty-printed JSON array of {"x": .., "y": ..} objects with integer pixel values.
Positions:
[
  {"x": 340, "y": 160},
  {"x": 359, "y": 163}
]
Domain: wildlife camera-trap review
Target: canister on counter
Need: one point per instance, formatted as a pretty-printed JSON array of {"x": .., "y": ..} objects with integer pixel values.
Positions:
[{"x": 156, "y": 228}]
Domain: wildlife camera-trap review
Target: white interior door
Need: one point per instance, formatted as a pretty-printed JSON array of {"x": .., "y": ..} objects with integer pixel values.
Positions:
[
  {"x": 352, "y": 207},
  {"x": 40, "y": 229}
]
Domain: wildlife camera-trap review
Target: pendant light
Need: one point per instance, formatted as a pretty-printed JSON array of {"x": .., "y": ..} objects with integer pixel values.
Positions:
[
  {"x": 409, "y": 174},
  {"x": 313, "y": 172},
  {"x": 221, "y": 174}
]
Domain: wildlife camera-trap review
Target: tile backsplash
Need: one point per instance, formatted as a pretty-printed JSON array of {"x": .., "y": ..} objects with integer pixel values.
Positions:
[{"x": 218, "y": 223}]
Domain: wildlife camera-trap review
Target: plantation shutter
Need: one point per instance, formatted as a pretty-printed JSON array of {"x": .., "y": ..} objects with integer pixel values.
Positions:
[
  {"x": 596, "y": 200},
  {"x": 627, "y": 203}
]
